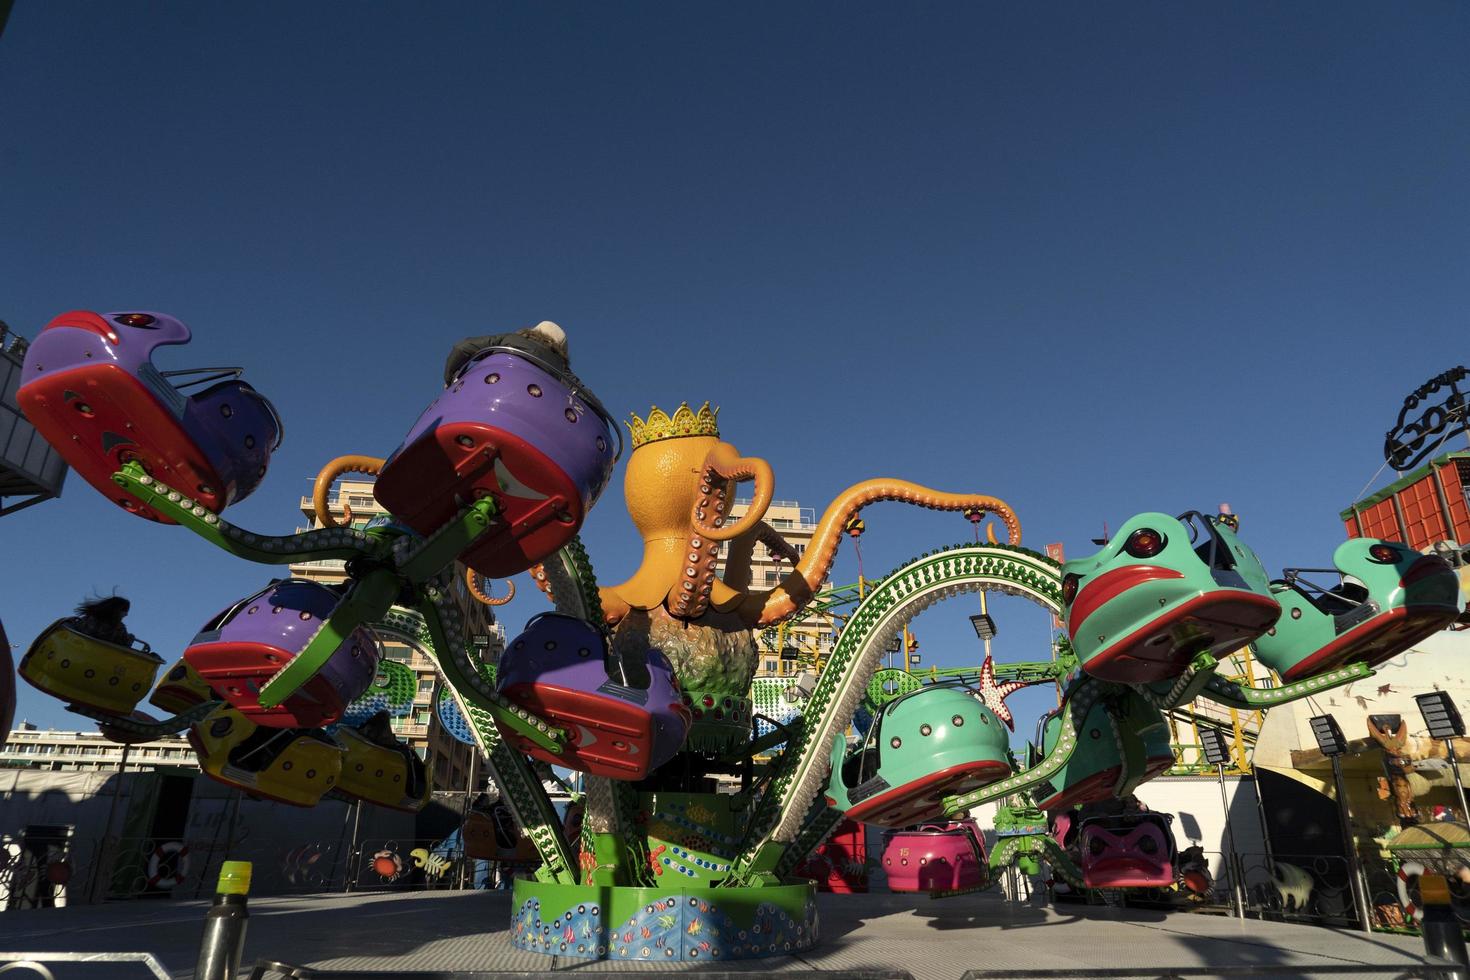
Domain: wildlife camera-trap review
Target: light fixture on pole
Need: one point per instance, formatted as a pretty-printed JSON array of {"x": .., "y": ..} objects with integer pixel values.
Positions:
[
  {"x": 1328, "y": 735},
  {"x": 1443, "y": 720},
  {"x": 1217, "y": 753},
  {"x": 1331, "y": 744},
  {"x": 894, "y": 645},
  {"x": 984, "y": 626}
]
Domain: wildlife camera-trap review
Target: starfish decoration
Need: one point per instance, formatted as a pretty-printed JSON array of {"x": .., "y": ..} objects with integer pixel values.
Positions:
[{"x": 994, "y": 695}]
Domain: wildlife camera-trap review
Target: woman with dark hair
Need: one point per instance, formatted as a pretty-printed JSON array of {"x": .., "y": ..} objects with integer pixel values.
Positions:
[{"x": 102, "y": 619}]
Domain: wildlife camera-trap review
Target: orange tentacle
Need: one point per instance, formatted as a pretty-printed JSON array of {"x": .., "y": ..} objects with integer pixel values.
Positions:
[
  {"x": 777, "y": 545},
  {"x": 786, "y": 599},
  {"x": 723, "y": 465},
  {"x": 370, "y": 465},
  {"x": 472, "y": 579},
  {"x": 538, "y": 575}
]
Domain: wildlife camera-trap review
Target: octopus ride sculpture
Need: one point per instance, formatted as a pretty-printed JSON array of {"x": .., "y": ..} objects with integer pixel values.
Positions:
[{"x": 644, "y": 686}]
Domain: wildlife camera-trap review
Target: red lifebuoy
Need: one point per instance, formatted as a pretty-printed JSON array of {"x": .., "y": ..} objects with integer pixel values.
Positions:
[
  {"x": 1407, "y": 870},
  {"x": 173, "y": 858}
]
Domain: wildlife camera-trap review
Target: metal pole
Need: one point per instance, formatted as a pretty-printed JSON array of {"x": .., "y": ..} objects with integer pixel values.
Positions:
[
  {"x": 350, "y": 877},
  {"x": 1449, "y": 745},
  {"x": 1237, "y": 895},
  {"x": 234, "y": 818},
  {"x": 102, "y": 855},
  {"x": 1360, "y": 897},
  {"x": 469, "y": 790},
  {"x": 1265, "y": 826}
]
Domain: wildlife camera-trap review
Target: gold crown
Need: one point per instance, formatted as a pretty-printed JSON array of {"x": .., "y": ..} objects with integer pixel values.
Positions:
[{"x": 685, "y": 422}]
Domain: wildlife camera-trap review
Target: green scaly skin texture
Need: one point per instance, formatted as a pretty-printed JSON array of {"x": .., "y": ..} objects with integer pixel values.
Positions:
[{"x": 801, "y": 771}]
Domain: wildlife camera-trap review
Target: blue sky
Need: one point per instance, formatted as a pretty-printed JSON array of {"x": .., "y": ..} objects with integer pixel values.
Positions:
[{"x": 1091, "y": 258}]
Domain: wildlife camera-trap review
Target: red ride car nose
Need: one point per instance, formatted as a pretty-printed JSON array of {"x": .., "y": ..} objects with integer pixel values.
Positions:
[
  {"x": 1108, "y": 586},
  {"x": 1426, "y": 567}
]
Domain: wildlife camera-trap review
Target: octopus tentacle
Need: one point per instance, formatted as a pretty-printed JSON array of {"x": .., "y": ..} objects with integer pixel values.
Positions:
[
  {"x": 472, "y": 579},
  {"x": 538, "y": 575},
  {"x": 689, "y": 598},
  {"x": 722, "y": 466},
  {"x": 369, "y": 465},
  {"x": 742, "y": 549},
  {"x": 782, "y": 602},
  {"x": 776, "y": 544}
]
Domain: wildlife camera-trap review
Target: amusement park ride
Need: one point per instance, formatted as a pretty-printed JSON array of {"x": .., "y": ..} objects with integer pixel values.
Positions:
[{"x": 645, "y": 686}]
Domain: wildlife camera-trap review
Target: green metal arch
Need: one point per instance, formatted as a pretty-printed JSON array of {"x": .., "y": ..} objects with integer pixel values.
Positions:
[{"x": 931, "y": 578}]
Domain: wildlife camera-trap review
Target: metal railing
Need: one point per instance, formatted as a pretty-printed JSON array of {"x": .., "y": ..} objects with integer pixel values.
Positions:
[{"x": 1307, "y": 888}]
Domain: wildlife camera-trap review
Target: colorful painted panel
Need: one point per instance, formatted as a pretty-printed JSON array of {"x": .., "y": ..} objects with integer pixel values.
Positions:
[{"x": 683, "y": 925}]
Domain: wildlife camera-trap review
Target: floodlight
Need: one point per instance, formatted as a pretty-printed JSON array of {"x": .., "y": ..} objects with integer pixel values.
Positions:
[
  {"x": 895, "y": 645},
  {"x": 1440, "y": 715},
  {"x": 984, "y": 626},
  {"x": 1217, "y": 750},
  {"x": 790, "y": 653},
  {"x": 1328, "y": 735}
]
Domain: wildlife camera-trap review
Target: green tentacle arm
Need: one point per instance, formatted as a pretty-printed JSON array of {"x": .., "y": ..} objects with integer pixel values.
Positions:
[
  {"x": 521, "y": 790},
  {"x": 802, "y": 769},
  {"x": 1010, "y": 849},
  {"x": 821, "y": 822},
  {"x": 442, "y": 620},
  {"x": 571, "y": 584},
  {"x": 135, "y": 731},
  {"x": 1234, "y": 695},
  {"x": 1184, "y": 688},
  {"x": 368, "y": 599},
  {"x": 1076, "y": 710},
  {"x": 265, "y": 549}
]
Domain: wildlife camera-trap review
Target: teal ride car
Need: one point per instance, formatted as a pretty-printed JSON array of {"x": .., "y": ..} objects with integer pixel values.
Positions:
[
  {"x": 932, "y": 743},
  {"x": 1160, "y": 592},
  {"x": 1388, "y": 597}
]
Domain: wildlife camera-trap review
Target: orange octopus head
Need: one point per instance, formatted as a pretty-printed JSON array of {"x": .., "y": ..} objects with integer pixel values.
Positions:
[{"x": 663, "y": 477}]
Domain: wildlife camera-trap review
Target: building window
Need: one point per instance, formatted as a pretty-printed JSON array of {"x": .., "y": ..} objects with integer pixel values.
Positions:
[
  {"x": 426, "y": 684},
  {"x": 421, "y": 716},
  {"x": 772, "y": 577}
]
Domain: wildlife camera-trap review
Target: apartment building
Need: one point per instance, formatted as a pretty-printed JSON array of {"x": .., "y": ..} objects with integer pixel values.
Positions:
[{"x": 28, "y": 747}]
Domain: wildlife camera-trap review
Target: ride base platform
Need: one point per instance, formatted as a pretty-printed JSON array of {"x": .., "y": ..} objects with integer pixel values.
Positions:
[{"x": 928, "y": 939}]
